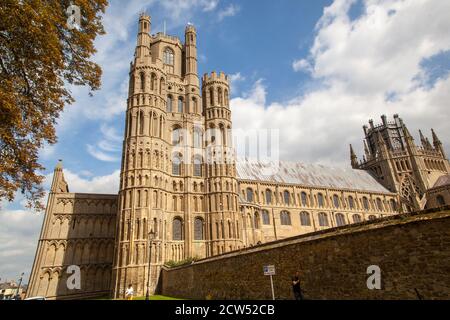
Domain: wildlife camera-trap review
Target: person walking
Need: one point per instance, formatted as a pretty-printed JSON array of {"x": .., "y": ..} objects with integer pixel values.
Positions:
[
  {"x": 129, "y": 293},
  {"x": 296, "y": 287}
]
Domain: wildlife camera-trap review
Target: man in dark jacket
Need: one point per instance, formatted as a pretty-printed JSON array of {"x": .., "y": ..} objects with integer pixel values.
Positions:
[{"x": 296, "y": 287}]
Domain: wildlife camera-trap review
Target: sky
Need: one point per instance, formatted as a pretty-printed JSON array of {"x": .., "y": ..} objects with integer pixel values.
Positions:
[{"x": 317, "y": 71}]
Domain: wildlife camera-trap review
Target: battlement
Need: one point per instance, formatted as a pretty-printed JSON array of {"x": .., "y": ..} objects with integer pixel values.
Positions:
[
  {"x": 161, "y": 35},
  {"x": 215, "y": 77}
]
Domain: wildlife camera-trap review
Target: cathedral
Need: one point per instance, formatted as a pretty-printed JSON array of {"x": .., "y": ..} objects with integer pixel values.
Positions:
[{"x": 184, "y": 195}]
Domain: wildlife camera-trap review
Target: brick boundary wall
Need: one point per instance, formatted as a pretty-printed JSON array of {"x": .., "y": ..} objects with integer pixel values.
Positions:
[{"x": 412, "y": 250}]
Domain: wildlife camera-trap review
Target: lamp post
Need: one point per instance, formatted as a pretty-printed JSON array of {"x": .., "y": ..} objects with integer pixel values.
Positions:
[{"x": 151, "y": 236}]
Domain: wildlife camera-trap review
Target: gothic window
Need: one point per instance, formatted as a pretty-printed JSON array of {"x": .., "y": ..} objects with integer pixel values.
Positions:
[
  {"x": 305, "y": 219},
  {"x": 356, "y": 218},
  {"x": 249, "y": 194},
  {"x": 226, "y": 97},
  {"x": 323, "y": 219},
  {"x": 220, "y": 96},
  {"x": 336, "y": 201},
  {"x": 268, "y": 196},
  {"x": 285, "y": 218},
  {"x": 153, "y": 82},
  {"x": 198, "y": 138},
  {"x": 320, "y": 200},
  {"x": 256, "y": 220},
  {"x": 366, "y": 203},
  {"x": 351, "y": 202},
  {"x": 372, "y": 217},
  {"x": 340, "y": 220},
  {"x": 211, "y": 97},
  {"x": 168, "y": 56},
  {"x": 440, "y": 200},
  {"x": 198, "y": 229},
  {"x": 287, "y": 197},
  {"x": 180, "y": 104},
  {"x": 176, "y": 136},
  {"x": 379, "y": 204},
  {"x": 177, "y": 229},
  {"x": 265, "y": 217},
  {"x": 176, "y": 165},
  {"x": 197, "y": 166},
  {"x": 304, "y": 199},
  {"x": 393, "y": 205},
  {"x": 142, "y": 81},
  {"x": 169, "y": 103},
  {"x": 195, "y": 106}
]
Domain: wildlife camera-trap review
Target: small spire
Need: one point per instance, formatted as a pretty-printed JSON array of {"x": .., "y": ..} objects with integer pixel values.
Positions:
[
  {"x": 353, "y": 157},
  {"x": 407, "y": 134},
  {"x": 436, "y": 140},
  {"x": 366, "y": 149}
]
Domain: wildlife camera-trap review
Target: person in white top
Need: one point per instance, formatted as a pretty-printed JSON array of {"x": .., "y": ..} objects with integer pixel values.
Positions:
[{"x": 129, "y": 293}]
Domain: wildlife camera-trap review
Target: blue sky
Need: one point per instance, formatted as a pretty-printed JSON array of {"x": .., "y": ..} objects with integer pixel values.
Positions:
[{"x": 315, "y": 70}]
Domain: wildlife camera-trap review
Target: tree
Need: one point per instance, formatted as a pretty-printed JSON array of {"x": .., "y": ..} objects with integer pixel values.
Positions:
[{"x": 41, "y": 54}]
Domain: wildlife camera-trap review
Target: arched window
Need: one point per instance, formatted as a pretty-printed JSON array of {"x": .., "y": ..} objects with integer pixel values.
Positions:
[
  {"x": 168, "y": 56},
  {"x": 169, "y": 104},
  {"x": 372, "y": 217},
  {"x": 366, "y": 203},
  {"x": 305, "y": 219},
  {"x": 153, "y": 82},
  {"x": 249, "y": 194},
  {"x": 323, "y": 219},
  {"x": 340, "y": 219},
  {"x": 356, "y": 218},
  {"x": 265, "y": 217},
  {"x": 440, "y": 200},
  {"x": 176, "y": 136},
  {"x": 256, "y": 220},
  {"x": 198, "y": 138},
  {"x": 198, "y": 229},
  {"x": 197, "y": 166},
  {"x": 287, "y": 197},
  {"x": 336, "y": 201},
  {"x": 304, "y": 197},
  {"x": 393, "y": 205},
  {"x": 379, "y": 204},
  {"x": 177, "y": 229},
  {"x": 220, "y": 96},
  {"x": 351, "y": 202},
  {"x": 195, "y": 105},
  {"x": 176, "y": 165},
  {"x": 142, "y": 81},
  {"x": 320, "y": 200},
  {"x": 180, "y": 104},
  {"x": 211, "y": 97},
  {"x": 285, "y": 218},
  {"x": 268, "y": 196}
]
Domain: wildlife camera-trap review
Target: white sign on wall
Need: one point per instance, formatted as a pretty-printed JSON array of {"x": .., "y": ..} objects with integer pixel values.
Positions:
[{"x": 269, "y": 270}]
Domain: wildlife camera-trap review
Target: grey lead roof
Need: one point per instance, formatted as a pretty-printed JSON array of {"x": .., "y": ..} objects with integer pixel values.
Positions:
[
  {"x": 314, "y": 175},
  {"x": 442, "y": 181}
]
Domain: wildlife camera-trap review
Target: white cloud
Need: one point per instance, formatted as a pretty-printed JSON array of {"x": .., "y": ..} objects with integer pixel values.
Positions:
[
  {"x": 108, "y": 184},
  {"x": 235, "y": 79},
  {"x": 229, "y": 11},
  {"x": 302, "y": 65},
  {"x": 358, "y": 64}
]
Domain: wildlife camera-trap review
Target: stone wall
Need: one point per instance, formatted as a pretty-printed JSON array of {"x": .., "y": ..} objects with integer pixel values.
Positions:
[{"x": 412, "y": 251}]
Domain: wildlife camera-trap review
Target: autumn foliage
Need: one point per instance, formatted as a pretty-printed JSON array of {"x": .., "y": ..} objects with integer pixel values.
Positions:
[{"x": 40, "y": 55}]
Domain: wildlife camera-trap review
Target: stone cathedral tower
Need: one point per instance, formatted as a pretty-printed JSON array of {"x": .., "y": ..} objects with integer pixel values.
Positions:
[
  {"x": 398, "y": 163},
  {"x": 178, "y": 179}
]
